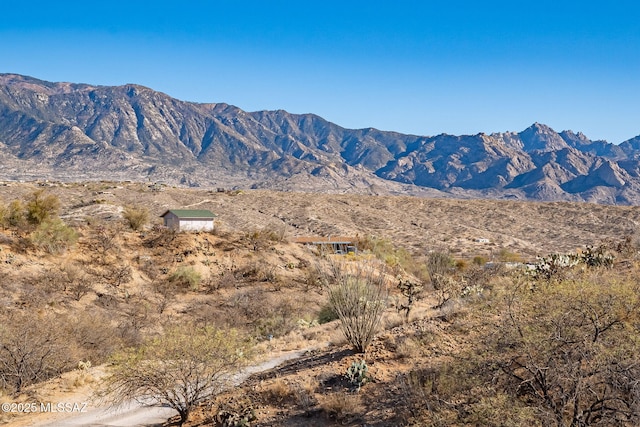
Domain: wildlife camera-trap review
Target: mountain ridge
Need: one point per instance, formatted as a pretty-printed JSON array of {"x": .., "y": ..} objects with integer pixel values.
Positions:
[{"x": 73, "y": 131}]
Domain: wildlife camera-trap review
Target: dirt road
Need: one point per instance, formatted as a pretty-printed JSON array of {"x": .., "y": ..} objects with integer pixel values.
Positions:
[{"x": 135, "y": 414}]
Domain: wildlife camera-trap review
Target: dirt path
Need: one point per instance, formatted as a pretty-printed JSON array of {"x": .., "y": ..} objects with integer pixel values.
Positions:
[{"x": 136, "y": 414}]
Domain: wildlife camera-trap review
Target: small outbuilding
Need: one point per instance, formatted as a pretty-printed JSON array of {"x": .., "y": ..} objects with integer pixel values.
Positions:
[
  {"x": 337, "y": 245},
  {"x": 188, "y": 219}
]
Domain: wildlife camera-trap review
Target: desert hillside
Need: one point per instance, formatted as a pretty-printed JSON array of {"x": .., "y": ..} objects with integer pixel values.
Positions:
[
  {"x": 415, "y": 223},
  {"x": 72, "y": 258}
]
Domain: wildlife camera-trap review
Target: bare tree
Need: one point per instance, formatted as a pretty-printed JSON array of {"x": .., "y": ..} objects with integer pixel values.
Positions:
[
  {"x": 31, "y": 350},
  {"x": 412, "y": 291},
  {"x": 180, "y": 369},
  {"x": 104, "y": 241},
  {"x": 118, "y": 274}
]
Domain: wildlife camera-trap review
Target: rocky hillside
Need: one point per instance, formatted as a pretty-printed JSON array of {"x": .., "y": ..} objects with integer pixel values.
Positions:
[{"x": 75, "y": 131}]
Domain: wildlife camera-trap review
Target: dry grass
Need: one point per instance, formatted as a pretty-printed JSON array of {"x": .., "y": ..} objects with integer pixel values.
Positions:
[
  {"x": 264, "y": 284},
  {"x": 343, "y": 407},
  {"x": 522, "y": 229},
  {"x": 277, "y": 390}
]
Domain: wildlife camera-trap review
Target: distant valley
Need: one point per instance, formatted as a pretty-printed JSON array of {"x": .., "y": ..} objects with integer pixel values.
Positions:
[{"x": 71, "y": 132}]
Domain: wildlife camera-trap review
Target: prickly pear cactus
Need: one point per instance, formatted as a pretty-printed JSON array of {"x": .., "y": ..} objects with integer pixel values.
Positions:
[{"x": 358, "y": 373}]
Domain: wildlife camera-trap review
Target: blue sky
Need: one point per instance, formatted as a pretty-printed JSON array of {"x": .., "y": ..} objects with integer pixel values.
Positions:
[{"x": 421, "y": 67}]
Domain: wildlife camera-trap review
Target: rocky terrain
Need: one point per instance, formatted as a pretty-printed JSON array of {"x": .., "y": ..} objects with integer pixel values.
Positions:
[
  {"x": 110, "y": 288},
  {"x": 71, "y": 132},
  {"x": 465, "y": 227}
]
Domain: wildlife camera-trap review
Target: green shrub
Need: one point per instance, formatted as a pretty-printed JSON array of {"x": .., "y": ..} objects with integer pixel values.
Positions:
[
  {"x": 41, "y": 207},
  {"x": 3, "y": 215},
  {"x": 505, "y": 255},
  {"x": 395, "y": 257},
  {"x": 439, "y": 263},
  {"x": 15, "y": 214},
  {"x": 54, "y": 236},
  {"x": 181, "y": 369},
  {"x": 479, "y": 260},
  {"x": 186, "y": 278},
  {"x": 327, "y": 314}
]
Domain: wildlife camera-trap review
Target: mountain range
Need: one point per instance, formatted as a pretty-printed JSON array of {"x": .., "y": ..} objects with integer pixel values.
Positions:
[{"x": 71, "y": 132}]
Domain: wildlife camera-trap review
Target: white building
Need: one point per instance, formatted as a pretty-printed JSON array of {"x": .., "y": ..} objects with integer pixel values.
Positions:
[{"x": 188, "y": 219}]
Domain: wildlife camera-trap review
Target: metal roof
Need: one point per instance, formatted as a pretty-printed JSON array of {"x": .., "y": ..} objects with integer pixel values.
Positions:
[
  {"x": 318, "y": 240},
  {"x": 191, "y": 213}
]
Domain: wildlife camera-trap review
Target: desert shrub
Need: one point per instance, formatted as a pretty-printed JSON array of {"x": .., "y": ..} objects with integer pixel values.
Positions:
[
  {"x": 185, "y": 278},
  {"x": 304, "y": 396},
  {"x": 479, "y": 260},
  {"x": 570, "y": 348},
  {"x": 53, "y": 236},
  {"x": 179, "y": 369},
  {"x": 261, "y": 239},
  {"x": 225, "y": 279},
  {"x": 42, "y": 207},
  {"x": 407, "y": 348},
  {"x": 136, "y": 217},
  {"x": 276, "y": 324},
  {"x": 480, "y": 277},
  {"x": 629, "y": 246},
  {"x": 68, "y": 278},
  {"x": 561, "y": 353},
  {"x": 342, "y": 407},
  {"x": 277, "y": 391},
  {"x": 268, "y": 314},
  {"x": 118, "y": 274},
  {"x": 104, "y": 242},
  {"x": 165, "y": 292},
  {"x": 30, "y": 352},
  {"x": 135, "y": 321},
  {"x": 235, "y": 413},
  {"x": 160, "y": 237},
  {"x": 455, "y": 394},
  {"x": 461, "y": 264},
  {"x": 439, "y": 264},
  {"x": 447, "y": 288},
  {"x": 149, "y": 266},
  {"x": 327, "y": 314},
  {"x": 505, "y": 255},
  {"x": 397, "y": 258},
  {"x": 419, "y": 396},
  {"x": 94, "y": 335},
  {"x": 4, "y": 212},
  {"x": 15, "y": 216},
  {"x": 260, "y": 271},
  {"x": 411, "y": 290},
  {"x": 359, "y": 297}
]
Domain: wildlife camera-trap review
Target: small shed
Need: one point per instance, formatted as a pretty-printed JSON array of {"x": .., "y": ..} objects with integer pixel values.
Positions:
[
  {"x": 338, "y": 245},
  {"x": 188, "y": 219}
]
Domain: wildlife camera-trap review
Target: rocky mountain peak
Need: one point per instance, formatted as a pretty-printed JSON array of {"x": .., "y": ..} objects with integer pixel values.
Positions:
[
  {"x": 541, "y": 137},
  {"x": 73, "y": 131}
]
